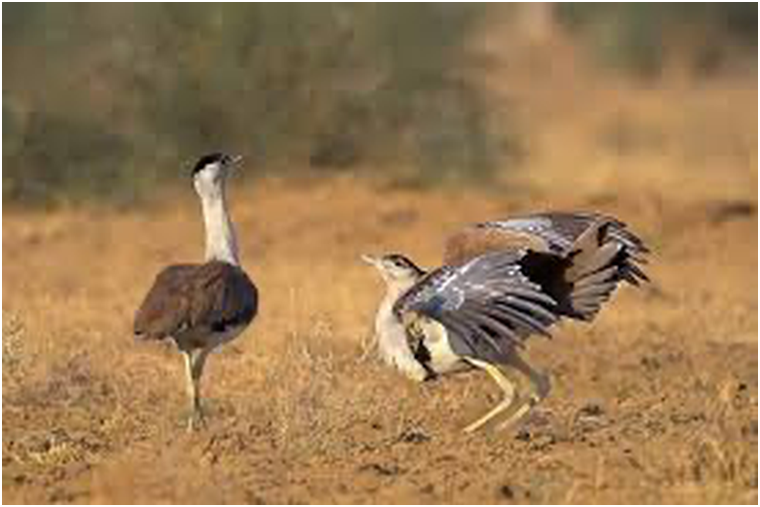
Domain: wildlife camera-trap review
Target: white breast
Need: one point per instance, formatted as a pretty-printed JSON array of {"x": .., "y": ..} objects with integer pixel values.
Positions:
[{"x": 393, "y": 344}]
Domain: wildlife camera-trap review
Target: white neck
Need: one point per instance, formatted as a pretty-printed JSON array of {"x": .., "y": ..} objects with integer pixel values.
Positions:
[
  {"x": 391, "y": 336},
  {"x": 221, "y": 243}
]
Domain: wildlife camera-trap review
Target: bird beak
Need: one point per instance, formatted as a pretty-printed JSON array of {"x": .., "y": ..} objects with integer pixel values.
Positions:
[
  {"x": 236, "y": 159},
  {"x": 371, "y": 259}
]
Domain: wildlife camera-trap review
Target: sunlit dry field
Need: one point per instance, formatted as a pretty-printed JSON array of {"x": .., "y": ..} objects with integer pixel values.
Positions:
[{"x": 654, "y": 402}]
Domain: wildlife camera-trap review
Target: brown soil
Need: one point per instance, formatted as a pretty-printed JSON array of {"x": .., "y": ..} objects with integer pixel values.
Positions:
[{"x": 656, "y": 401}]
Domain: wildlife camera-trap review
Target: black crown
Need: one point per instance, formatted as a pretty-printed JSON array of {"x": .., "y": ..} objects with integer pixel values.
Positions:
[{"x": 211, "y": 158}]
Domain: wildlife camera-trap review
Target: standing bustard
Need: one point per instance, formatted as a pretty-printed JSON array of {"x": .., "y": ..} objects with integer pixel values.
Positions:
[
  {"x": 501, "y": 282},
  {"x": 201, "y": 306}
]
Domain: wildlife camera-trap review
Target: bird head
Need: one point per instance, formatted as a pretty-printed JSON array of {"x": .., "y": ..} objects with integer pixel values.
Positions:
[
  {"x": 211, "y": 170},
  {"x": 395, "y": 269}
]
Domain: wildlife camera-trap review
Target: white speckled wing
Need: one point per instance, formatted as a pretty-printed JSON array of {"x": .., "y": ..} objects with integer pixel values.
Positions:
[{"x": 487, "y": 305}]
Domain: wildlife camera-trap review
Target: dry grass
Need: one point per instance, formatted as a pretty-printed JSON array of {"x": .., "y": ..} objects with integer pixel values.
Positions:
[{"x": 656, "y": 402}]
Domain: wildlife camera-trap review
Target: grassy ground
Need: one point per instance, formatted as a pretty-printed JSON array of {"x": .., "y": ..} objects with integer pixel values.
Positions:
[{"x": 654, "y": 402}]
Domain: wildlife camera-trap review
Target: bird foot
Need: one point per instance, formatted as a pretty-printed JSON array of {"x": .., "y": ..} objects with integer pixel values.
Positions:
[
  {"x": 498, "y": 409},
  {"x": 196, "y": 421},
  {"x": 471, "y": 428},
  {"x": 519, "y": 414}
]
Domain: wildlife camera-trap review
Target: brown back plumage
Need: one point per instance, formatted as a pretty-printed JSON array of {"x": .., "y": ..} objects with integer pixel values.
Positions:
[
  {"x": 192, "y": 302},
  {"x": 577, "y": 258},
  {"x": 476, "y": 240}
]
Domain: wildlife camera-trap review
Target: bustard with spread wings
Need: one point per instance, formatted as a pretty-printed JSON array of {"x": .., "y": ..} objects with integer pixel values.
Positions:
[{"x": 502, "y": 281}]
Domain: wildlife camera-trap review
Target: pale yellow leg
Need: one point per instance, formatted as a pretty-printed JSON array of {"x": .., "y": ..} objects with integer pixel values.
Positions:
[
  {"x": 540, "y": 386},
  {"x": 195, "y": 360},
  {"x": 506, "y": 386}
]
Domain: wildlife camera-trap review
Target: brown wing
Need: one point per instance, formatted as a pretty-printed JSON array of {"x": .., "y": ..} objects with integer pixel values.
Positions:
[
  {"x": 476, "y": 240},
  {"x": 554, "y": 232},
  {"x": 577, "y": 258},
  {"x": 196, "y": 299}
]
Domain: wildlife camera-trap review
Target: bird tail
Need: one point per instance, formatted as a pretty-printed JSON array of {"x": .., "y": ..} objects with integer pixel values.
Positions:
[{"x": 605, "y": 255}]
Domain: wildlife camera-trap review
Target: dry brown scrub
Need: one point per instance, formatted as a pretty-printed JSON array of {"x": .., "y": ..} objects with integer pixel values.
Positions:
[{"x": 656, "y": 402}]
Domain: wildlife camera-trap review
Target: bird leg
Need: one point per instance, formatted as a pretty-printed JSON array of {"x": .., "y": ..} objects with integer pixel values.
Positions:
[
  {"x": 540, "y": 387},
  {"x": 195, "y": 360},
  {"x": 506, "y": 386}
]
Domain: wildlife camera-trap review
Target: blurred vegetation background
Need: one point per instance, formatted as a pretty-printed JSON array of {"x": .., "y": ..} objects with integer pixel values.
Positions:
[{"x": 106, "y": 100}]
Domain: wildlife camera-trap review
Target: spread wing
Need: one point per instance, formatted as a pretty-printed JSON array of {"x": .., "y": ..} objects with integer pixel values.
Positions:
[
  {"x": 553, "y": 232},
  {"x": 196, "y": 299},
  {"x": 487, "y": 305},
  {"x": 579, "y": 259}
]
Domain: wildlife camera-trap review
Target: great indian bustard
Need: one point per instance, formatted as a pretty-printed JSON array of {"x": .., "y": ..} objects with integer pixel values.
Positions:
[
  {"x": 201, "y": 306},
  {"x": 501, "y": 282}
]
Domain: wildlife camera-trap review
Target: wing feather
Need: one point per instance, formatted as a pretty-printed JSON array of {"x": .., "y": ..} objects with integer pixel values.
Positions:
[
  {"x": 487, "y": 305},
  {"x": 196, "y": 299},
  {"x": 578, "y": 259}
]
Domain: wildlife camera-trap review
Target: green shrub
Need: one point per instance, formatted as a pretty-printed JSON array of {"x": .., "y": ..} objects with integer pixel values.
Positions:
[
  {"x": 105, "y": 98},
  {"x": 637, "y": 36}
]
